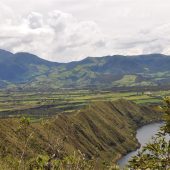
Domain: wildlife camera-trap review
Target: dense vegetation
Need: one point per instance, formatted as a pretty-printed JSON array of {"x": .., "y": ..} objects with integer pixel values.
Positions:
[
  {"x": 156, "y": 154},
  {"x": 25, "y": 71},
  {"x": 102, "y": 131}
]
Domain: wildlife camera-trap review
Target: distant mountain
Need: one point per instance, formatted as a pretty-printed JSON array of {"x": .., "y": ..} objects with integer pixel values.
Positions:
[
  {"x": 29, "y": 71},
  {"x": 21, "y": 67}
]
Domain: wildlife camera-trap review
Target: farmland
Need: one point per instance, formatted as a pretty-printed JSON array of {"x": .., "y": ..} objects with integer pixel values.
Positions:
[{"x": 50, "y": 103}]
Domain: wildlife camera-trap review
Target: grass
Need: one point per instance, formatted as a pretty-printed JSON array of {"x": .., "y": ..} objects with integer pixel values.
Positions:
[
  {"x": 126, "y": 80},
  {"x": 67, "y": 100},
  {"x": 104, "y": 130}
]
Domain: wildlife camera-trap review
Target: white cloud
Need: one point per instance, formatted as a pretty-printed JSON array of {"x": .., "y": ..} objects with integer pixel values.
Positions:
[
  {"x": 85, "y": 28},
  {"x": 35, "y": 20},
  {"x": 57, "y": 36}
]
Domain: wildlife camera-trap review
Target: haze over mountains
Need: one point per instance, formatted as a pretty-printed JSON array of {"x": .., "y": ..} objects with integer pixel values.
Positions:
[{"x": 26, "y": 70}]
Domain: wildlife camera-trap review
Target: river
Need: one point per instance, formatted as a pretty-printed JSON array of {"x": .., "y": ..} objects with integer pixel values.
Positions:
[{"x": 143, "y": 135}]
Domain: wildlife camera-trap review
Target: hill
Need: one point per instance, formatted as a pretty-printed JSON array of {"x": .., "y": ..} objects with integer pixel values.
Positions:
[
  {"x": 21, "y": 67},
  {"x": 104, "y": 130},
  {"x": 27, "y": 71}
]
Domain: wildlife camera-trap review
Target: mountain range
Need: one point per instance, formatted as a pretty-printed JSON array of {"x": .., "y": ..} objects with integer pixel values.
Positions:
[{"x": 25, "y": 70}]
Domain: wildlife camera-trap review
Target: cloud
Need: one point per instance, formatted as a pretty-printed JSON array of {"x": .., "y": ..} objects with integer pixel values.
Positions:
[
  {"x": 35, "y": 20},
  {"x": 86, "y": 28},
  {"x": 57, "y": 36},
  {"x": 6, "y": 14}
]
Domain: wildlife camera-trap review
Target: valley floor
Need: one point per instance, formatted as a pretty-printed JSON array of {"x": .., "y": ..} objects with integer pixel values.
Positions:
[{"x": 45, "y": 104}]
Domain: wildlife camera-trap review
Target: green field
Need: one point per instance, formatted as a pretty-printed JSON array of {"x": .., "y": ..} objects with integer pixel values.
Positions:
[{"x": 50, "y": 103}]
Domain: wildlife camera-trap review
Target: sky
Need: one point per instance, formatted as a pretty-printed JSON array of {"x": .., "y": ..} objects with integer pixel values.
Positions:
[{"x": 69, "y": 30}]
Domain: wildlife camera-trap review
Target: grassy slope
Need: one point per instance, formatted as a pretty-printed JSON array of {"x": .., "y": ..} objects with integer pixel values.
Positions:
[
  {"x": 27, "y": 71},
  {"x": 104, "y": 129}
]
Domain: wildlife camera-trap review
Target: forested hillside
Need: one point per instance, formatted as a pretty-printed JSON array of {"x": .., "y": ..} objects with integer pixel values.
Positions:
[{"x": 25, "y": 71}]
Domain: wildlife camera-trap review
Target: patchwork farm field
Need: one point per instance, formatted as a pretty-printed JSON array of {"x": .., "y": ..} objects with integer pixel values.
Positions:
[{"x": 38, "y": 104}]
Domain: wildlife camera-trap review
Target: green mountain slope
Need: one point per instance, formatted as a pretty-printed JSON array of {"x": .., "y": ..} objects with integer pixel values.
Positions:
[
  {"x": 104, "y": 130},
  {"x": 29, "y": 71}
]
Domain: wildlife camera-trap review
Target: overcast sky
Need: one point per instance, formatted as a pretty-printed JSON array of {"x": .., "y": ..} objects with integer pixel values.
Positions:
[{"x": 66, "y": 30}]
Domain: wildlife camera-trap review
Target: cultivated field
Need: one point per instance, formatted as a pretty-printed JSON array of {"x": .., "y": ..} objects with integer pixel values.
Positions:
[{"x": 38, "y": 104}]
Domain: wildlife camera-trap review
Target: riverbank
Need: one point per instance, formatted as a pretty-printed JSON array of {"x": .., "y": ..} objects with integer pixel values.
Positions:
[
  {"x": 120, "y": 156},
  {"x": 143, "y": 136}
]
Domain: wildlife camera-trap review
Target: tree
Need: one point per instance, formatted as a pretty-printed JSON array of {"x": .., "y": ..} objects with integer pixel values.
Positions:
[
  {"x": 167, "y": 115},
  {"x": 24, "y": 131},
  {"x": 155, "y": 155}
]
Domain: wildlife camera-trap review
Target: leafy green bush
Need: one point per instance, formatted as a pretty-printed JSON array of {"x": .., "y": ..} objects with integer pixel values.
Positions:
[{"x": 155, "y": 155}]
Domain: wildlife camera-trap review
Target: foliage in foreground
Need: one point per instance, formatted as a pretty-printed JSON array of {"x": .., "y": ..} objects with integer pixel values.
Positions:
[
  {"x": 155, "y": 155},
  {"x": 73, "y": 162}
]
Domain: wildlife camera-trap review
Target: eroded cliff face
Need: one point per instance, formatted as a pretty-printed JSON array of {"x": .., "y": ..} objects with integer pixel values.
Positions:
[{"x": 104, "y": 130}]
